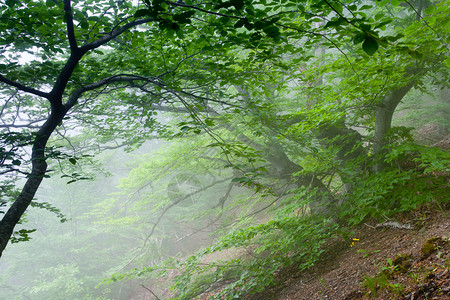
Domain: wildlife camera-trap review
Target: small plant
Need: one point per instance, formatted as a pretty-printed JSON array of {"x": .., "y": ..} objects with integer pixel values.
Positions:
[
  {"x": 322, "y": 282},
  {"x": 376, "y": 283},
  {"x": 381, "y": 282},
  {"x": 396, "y": 288},
  {"x": 390, "y": 269},
  {"x": 415, "y": 277},
  {"x": 371, "y": 284},
  {"x": 367, "y": 253}
]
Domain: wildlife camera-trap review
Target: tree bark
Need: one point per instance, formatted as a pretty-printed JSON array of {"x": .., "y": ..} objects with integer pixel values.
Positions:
[
  {"x": 383, "y": 121},
  {"x": 39, "y": 168}
]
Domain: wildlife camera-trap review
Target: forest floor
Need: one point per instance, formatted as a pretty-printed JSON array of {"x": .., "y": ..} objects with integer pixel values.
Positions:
[
  {"x": 384, "y": 262},
  {"x": 404, "y": 258}
]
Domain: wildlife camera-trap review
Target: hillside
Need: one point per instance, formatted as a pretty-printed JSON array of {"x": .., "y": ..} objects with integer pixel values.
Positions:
[
  {"x": 384, "y": 263},
  {"x": 226, "y": 149}
]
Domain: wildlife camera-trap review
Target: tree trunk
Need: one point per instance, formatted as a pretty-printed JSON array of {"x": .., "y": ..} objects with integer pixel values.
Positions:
[
  {"x": 383, "y": 121},
  {"x": 444, "y": 101},
  {"x": 323, "y": 202},
  {"x": 39, "y": 167}
]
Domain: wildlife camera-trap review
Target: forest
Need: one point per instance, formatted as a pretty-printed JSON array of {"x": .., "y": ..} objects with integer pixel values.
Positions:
[{"x": 197, "y": 149}]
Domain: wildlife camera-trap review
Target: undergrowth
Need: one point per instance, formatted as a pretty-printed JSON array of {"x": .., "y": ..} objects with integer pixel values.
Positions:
[{"x": 260, "y": 251}]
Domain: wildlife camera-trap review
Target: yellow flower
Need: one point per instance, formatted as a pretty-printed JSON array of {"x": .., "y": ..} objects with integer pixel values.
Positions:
[{"x": 354, "y": 240}]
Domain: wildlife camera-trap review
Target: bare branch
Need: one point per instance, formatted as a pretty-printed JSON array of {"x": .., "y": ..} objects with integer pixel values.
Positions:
[
  {"x": 6, "y": 102},
  {"x": 166, "y": 209},
  {"x": 22, "y": 125},
  {"x": 156, "y": 297}
]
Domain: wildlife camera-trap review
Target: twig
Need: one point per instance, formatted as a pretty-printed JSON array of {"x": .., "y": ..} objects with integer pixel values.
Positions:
[
  {"x": 394, "y": 224},
  {"x": 370, "y": 226},
  {"x": 156, "y": 297}
]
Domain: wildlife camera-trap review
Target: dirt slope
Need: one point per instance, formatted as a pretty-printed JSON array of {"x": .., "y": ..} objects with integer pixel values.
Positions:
[{"x": 384, "y": 263}]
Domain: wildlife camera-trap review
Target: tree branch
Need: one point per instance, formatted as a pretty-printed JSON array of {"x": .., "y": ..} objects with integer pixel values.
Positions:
[
  {"x": 105, "y": 81},
  {"x": 156, "y": 297},
  {"x": 70, "y": 29},
  {"x": 113, "y": 34},
  {"x": 24, "y": 88},
  {"x": 165, "y": 210}
]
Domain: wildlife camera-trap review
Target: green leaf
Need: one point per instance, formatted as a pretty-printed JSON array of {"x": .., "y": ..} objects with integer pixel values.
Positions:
[
  {"x": 239, "y": 23},
  {"x": 370, "y": 45},
  {"x": 334, "y": 23},
  {"x": 73, "y": 160},
  {"x": 10, "y": 3},
  {"x": 395, "y": 2},
  {"x": 359, "y": 38},
  {"x": 50, "y": 3},
  {"x": 209, "y": 122},
  {"x": 84, "y": 24},
  {"x": 239, "y": 179},
  {"x": 430, "y": 10},
  {"x": 238, "y": 4},
  {"x": 415, "y": 54},
  {"x": 142, "y": 13},
  {"x": 272, "y": 31},
  {"x": 184, "y": 17},
  {"x": 447, "y": 62}
]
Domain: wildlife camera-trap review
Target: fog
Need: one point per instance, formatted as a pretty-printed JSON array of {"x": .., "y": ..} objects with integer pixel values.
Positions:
[{"x": 141, "y": 208}]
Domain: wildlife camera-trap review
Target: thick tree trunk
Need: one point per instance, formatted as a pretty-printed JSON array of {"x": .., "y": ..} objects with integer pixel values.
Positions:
[
  {"x": 383, "y": 121},
  {"x": 323, "y": 202},
  {"x": 348, "y": 140},
  {"x": 350, "y": 155}
]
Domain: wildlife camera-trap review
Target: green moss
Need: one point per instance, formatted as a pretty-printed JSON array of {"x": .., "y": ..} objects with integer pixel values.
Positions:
[
  {"x": 431, "y": 246},
  {"x": 402, "y": 263}
]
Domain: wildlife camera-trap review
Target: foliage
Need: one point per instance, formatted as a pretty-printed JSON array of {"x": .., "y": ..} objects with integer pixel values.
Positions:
[
  {"x": 258, "y": 254},
  {"x": 61, "y": 278},
  {"x": 276, "y": 117}
]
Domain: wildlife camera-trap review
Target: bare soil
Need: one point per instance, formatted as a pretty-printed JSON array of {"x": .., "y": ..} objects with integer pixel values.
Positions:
[{"x": 383, "y": 263}]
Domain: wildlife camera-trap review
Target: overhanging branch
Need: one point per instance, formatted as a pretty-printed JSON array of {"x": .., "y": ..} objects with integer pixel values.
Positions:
[
  {"x": 103, "y": 82},
  {"x": 23, "y": 87},
  {"x": 113, "y": 34}
]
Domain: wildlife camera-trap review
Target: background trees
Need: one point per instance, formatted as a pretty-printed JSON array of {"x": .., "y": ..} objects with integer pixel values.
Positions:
[{"x": 276, "y": 110}]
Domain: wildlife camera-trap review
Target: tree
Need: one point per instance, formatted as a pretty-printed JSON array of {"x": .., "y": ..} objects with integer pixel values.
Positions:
[
  {"x": 73, "y": 68},
  {"x": 58, "y": 108},
  {"x": 337, "y": 138},
  {"x": 287, "y": 118},
  {"x": 61, "y": 71}
]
